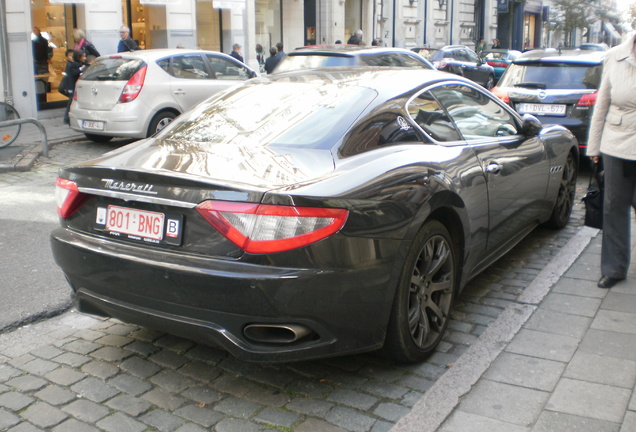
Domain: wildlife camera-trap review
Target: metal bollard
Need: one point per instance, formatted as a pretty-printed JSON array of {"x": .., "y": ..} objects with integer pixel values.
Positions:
[{"x": 45, "y": 144}]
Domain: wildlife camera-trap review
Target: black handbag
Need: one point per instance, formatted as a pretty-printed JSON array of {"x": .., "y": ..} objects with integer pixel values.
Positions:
[{"x": 593, "y": 199}]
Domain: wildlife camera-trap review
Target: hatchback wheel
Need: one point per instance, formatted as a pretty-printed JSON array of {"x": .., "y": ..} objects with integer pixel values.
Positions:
[
  {"x": 160, "y": 121},
  {"x": 565, "y": 198},
  {"x": 424, "y": 297}
]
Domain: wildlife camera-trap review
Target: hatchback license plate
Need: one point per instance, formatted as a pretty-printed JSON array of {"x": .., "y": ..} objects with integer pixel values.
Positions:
[
  {"x": 92, "y": 125},
  {"x": 542, "y": 109},
  {"x": 139, "y": 223}
]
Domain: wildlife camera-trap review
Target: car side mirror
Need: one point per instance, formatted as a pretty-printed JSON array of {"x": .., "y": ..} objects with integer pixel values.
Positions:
[{"x": 531, "y": 125}]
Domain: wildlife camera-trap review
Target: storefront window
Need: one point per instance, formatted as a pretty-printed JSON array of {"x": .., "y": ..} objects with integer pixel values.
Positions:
[
  {"x": 353, "y": 19},
  {"x": 268, "y": 24},
  {"x": 208, "y": 26},
  {"x": 55, "y": 23}
]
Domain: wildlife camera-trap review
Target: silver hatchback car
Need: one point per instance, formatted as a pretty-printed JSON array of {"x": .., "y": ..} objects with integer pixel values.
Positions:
[{"x": 137, "y": 94}]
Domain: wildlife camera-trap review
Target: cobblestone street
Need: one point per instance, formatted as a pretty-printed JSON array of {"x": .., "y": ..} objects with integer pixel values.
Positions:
[{"x": 78, "y": 373}]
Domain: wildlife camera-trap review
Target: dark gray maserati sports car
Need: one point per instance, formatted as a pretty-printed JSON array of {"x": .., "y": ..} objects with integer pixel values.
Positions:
[{"x": 312, "y": 214}]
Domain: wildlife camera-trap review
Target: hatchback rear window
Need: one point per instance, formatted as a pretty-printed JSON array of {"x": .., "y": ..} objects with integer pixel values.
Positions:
[
  {"x": 552, "y": 76},
  {"x": 112, "y": 69}
]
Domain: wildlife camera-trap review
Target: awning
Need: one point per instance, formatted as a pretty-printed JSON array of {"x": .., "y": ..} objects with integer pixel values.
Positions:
[{"x": 611, "y": 31}]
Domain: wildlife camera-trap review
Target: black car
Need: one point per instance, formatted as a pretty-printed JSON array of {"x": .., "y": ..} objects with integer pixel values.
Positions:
[
  {"x": 460, "y": 60},
  {"x": 312, "y": 213},
  {"x": 350, "y": 55},
  {"x": 559, "y": 87}
]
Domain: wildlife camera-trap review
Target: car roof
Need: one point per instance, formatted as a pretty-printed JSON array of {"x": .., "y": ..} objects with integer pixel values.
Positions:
[
  {"x": 155, "y": 54},
  {"x": 388, "y": 81},
  {"x": 344, "y": 50},
  {"x": 552, "y": 55}
]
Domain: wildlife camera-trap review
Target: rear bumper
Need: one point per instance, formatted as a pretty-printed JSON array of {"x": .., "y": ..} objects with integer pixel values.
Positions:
[
  {"x": 214, "y": 301},
  {"x": 131, "y": 122}
]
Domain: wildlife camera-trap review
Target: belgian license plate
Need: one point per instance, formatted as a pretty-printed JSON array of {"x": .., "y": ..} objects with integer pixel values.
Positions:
[
  {"x": 542, "y": 109},
  {"x": 92, "y": 125},
  {"x": 140, "y": 225}
]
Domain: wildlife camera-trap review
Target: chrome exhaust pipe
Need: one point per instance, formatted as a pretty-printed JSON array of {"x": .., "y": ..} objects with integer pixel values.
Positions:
[{"x": 276, "y": 333}]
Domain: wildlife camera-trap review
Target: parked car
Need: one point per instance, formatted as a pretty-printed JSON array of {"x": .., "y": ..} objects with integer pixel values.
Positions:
[
  {"x": 558, "y": 87},
  {"x": 499, "y": 59},
  {"x": 460, "y": 60},
  {"x": 350, "y": 55},
  {"x": 136, "y": 94},
  {"x": 312, "y": 213},
  {"x": 594, "y": 46}
]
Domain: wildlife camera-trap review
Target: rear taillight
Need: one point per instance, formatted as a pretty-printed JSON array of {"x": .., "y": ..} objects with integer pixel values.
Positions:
[
  {"x": 68, "y": 197},
  {"x": 262, "y": 228},
  {"x": 587, "y": 100},
  {"x": 133, "y": 86},
  {"x": 497, "y": 64},
  {"x": 501, "y": 94}
]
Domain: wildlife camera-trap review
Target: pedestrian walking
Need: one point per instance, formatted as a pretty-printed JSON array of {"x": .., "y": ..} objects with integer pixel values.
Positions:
[
  {"x": 613, "y": 137},
  {"x": 74, "y": 67},
  {"x": 281, "y": 53},
  {"x": 355, "y": 38},
  {"x": 126, "y": 43},
  {"x": 496, "y": 44},
  {"x": 260, "y": 57},
  {"x": 81, "y": 43},
  {"x": 236, "y": 52},
  {"x": 272, "y": 60}
]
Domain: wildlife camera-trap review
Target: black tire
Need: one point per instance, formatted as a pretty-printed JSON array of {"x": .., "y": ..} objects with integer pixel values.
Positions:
[
  {"x": 8, "y": 134},
  {"x": 98, "y": 138},
  {"x": 490, "y": 82},
  {"x": 160, "y": 121},
  {"x": 565, "y": 197},
  {"x": 424, "y": 296}
]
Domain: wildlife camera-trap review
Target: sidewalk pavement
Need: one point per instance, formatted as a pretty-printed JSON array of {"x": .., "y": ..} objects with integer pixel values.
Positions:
[
  {"x": 28, "y": 147},
  {"x": 560, "y": 358}
]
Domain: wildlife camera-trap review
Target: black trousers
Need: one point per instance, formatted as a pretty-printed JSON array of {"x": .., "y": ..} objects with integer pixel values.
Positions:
[{"x": 620, "y": 195}]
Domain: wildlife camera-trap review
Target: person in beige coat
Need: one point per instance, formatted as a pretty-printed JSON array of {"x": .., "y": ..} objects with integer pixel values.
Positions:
[{"x": 613, "y": 136}]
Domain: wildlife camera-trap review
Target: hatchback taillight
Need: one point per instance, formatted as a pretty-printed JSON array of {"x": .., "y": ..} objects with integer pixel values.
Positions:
[
  {"x": 264, "y": 228},
  {"x": 67, "y": 197},
  {"x": 587, "y": 100},
  {"x": 133, "y": 86}
]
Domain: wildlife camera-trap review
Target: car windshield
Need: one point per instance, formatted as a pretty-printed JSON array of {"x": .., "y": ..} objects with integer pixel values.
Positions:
[
  {"x": 552, "y": 76},
  {"x": 112, "y": 69},
  {"x": 312, "y": 61},
  {"x": 310, "y": 114},
  {"x": 438, "y": 55}
]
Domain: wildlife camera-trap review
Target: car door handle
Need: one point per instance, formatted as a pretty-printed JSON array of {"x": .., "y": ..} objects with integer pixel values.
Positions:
[
  {"x": 493, "y": 168},
  {"x": 179, "y": 92}
]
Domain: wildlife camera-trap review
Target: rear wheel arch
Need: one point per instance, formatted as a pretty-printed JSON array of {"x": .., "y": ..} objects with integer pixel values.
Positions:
[{"x": 160, "y": 120}]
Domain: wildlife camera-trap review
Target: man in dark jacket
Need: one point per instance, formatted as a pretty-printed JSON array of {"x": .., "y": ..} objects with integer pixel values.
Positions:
[
  {"x": 272, "y": 61},
  {"x": 236, "y": 52},
  {"x": 355, "y": 38},
  {"x": 126, "y": 43}
]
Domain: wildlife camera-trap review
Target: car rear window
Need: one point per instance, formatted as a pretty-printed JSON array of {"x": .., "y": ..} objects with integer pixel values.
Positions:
[
  {"x": 112, "y": 69},
  {"x": 310, "y": 114},
  {"x": 552, "y": 76},
  {"x": 312, "y": 61}
]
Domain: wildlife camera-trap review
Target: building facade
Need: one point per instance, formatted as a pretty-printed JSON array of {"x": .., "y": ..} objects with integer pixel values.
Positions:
[{"x": 217, "y": 25}]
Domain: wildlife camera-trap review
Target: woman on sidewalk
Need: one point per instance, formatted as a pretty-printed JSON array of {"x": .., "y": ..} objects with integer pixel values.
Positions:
[{"x": 613, "y": 136}]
